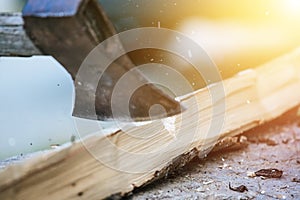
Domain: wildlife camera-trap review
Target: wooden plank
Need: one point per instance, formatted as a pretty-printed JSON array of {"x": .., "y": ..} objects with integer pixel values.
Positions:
[
  {"x": 99, "y": 166},
  {"x": 13, "y": 39}
]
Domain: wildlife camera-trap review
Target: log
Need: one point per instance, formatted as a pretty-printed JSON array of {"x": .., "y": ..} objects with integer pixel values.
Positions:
[{"x": 99, "y": 166}]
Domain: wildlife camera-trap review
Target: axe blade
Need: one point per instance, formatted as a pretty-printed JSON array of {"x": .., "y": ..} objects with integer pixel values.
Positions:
[{"x": 69, "y": 31}]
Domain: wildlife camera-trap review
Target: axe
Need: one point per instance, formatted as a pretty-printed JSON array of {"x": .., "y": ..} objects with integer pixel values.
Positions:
[{"x": 69, "y": 31}]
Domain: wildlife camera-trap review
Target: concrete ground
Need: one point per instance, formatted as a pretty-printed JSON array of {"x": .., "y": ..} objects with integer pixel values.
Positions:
[{"x": 273, "y": 145}]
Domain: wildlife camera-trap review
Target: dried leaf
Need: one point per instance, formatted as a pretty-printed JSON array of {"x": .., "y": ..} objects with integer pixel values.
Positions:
[
  {"x": 269, "y": 173},
  {"x": 240, "y": 188}
]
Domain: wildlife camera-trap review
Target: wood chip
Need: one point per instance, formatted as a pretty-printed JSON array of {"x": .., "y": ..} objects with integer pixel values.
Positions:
[
  {"x": 269, "y": 173},
  {"x": 251, "y": 174},
  {"x": 268, "y": 141},
  {"x": 297, "y": 180},
  {"x": 240, "y": 188}
]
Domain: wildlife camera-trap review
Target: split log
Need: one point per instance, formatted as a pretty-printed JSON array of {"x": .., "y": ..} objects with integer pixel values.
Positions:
[{"x": 103, "y": 165}]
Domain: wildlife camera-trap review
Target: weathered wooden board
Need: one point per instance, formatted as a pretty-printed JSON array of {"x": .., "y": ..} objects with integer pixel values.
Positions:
[{"x": 13, "y": 39}]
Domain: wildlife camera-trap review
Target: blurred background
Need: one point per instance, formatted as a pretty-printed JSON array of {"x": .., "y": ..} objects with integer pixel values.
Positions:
[
  {"x": 11, "y": 5},
  {"x": 235, "y": 34}
]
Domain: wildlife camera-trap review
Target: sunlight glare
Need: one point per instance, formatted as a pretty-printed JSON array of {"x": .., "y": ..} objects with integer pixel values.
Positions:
[{"x": 292, "y": 6}]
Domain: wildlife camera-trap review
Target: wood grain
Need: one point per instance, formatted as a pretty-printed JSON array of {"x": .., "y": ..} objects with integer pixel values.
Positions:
[{"x": 100, "y": 166}]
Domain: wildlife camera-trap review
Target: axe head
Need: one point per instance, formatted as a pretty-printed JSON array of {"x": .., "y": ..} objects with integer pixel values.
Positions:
[{"x": 69, "y": 31}]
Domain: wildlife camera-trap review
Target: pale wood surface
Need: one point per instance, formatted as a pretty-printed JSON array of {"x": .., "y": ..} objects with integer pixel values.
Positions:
[{"x": 72, "y": 172}]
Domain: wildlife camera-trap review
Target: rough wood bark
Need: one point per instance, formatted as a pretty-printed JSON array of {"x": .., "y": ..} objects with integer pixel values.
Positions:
[{"x": 95, "y": 167}]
